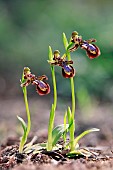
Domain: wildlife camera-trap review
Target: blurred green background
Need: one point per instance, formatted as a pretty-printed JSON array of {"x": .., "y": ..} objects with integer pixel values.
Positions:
[{"x": 28, "y": 27}]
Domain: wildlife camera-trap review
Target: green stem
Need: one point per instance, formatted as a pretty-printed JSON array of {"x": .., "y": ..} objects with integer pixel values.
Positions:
[
  {"x": 53, "y": 108},
  {"x": 54, "y": 87},
  {"x": 50, "y": 128},
  {"x": 65, "y": 122},
  {"x": 72, "y": 128},
  {"x": 22, "y": 142},
  {"x": 27, "y": 111},
  {"x": 28, "y": 127}
]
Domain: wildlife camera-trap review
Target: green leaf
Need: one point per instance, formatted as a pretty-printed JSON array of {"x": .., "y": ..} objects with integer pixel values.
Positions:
[
  {"x": 85, "y": 133},
  {"x": 23, "y": 81},
  {"x": 36, "y": 148},
  {"x": 58, "y": 132},
  {"x": 66, "y": 44},
  {"x": 50, "y": 53},
  {"x": 69, "y": 115},
  {"x": 73, "y": 153},
  {"x": 65, "y": 120},
  {"x": 82, "y": 151},
  {"x": 24, "y": 137},
  {"x": 65, "y": 41},
  {"x": 24, "y": 126},
  {"x": 23, "y": 77},
  {"x": 31, "y": 142}
]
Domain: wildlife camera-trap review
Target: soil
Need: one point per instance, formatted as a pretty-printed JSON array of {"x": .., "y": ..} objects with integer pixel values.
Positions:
[{"x": 98, "y": 144}]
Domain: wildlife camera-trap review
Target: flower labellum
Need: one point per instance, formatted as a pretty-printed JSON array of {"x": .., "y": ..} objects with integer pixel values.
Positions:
[
  {"x": 92, "y": 50},
  {"x": 43, "y": 88},
  {"x": 68, "y": 71}
]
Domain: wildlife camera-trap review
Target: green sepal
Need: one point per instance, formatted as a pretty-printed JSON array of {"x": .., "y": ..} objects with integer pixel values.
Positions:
[
  {"x": 23, "y": 81},
  {"x": 65, "y": 41},
  {"x": 50, "y": 53}
]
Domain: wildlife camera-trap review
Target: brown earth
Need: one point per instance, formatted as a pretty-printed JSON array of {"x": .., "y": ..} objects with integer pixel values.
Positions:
[{"x": 98, "y": 142}]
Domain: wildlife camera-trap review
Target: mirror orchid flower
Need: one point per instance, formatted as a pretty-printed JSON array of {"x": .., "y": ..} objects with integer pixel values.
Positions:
[
  {"x": 67, "y": 69},
  {"x": 92, "y": 50},
  {"x": 42, "y": 87}
]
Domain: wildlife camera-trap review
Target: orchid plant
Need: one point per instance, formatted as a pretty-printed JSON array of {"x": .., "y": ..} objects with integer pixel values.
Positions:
[{"x": 43, "y": 88}]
